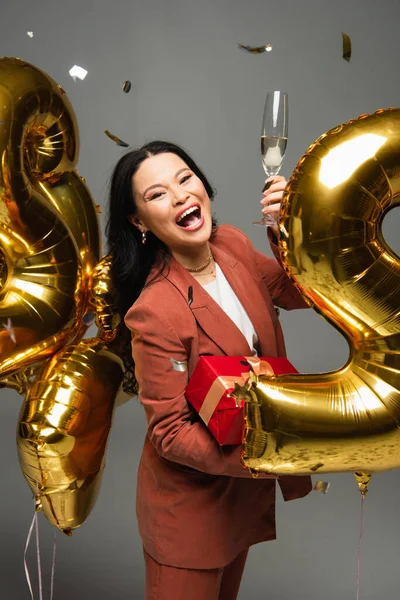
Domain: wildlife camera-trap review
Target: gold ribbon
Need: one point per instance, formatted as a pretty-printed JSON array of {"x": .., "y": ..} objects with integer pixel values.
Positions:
[
  {"x": 260, "y": 367},
  {"x": 222, "y": 384}
]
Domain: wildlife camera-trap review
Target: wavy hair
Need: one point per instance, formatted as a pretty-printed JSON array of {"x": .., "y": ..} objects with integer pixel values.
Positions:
[{"x": 131, "y": 260}]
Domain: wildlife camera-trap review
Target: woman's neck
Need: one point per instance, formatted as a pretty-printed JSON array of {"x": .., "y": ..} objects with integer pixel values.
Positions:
[{"x": 193, "y": 259}]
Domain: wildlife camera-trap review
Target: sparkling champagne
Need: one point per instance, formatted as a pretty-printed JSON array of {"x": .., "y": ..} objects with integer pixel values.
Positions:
[{"x": 273, "y": 150}]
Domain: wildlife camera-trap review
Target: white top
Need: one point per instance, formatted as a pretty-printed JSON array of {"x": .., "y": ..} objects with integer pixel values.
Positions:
[{"x": 221, "y": 291}]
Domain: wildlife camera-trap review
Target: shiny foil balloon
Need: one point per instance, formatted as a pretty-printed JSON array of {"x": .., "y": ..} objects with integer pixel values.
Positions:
[
  {"x": 49, "y": 232},
  {"x": 50, "y": 278},
  {"x": 333, "y": 249},
  {"x": 102, "y": 300},
  {"x": 63, "y": 430}
]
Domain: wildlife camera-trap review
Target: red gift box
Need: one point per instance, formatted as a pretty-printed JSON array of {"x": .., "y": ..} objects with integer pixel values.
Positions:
[{"x": 214, "y": 379}]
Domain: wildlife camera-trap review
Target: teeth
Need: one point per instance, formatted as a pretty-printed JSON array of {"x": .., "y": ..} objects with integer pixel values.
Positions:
[{"x": 187, "y": 212}]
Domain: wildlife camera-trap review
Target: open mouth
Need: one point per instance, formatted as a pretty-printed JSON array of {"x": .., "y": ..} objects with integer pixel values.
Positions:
[{"x": 190, "y": 218}]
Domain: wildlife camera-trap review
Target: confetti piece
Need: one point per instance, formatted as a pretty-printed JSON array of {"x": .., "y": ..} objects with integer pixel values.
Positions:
[
  {"x": 126, "y": 87},
  {"x": 346, "y": 47},
  {"x": 256, "y": 49},
  {"x": 61, "y": 90},
  {"x": 178, "y": 365},
  {"x": 9, "y": 328},
  {"x": 29, "y": 34},
  {"x": 116, "y": 139},
  {"x": 79, "y": 72},
  {"x": 98, "y": 209},
  {"x": 321, "y": 486}
]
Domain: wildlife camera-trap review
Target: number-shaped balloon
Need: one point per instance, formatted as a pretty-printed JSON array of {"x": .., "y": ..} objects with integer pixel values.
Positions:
[
  {"x": 49, "y": 233},
  {"x": 49, "y": 278},
  {"x": 333, "y": 249}
]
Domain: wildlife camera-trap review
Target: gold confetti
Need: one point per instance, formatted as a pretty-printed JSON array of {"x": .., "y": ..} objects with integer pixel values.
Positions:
[
  {"x": 116, "y": 139},
  {"x": 256, "y": 49},
  {"x": 126, "y": 86},
  {"x": 346, "y": 47},
  {"x": 98, "y": 209},
  {"x": 322, "y": 487}
]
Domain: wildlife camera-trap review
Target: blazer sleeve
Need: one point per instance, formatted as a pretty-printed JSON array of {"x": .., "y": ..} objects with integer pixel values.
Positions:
[
  {"x": 162, "y": 392},
  {"x": 283, "y": 292}
]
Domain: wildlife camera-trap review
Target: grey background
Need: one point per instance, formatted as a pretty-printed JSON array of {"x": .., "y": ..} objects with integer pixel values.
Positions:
[{"x": 192, "y": 85}]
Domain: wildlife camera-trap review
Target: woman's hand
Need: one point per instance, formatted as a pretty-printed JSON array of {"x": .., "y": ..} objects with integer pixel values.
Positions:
[{"x": 271, "y": 200}]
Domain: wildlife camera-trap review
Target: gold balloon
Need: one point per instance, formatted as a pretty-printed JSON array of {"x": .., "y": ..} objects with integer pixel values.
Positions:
[
  {"x": 63, "y": 430},
  {"x": 50, "y": 277},
  {"x": 49, "y": 233},
  {"x": 333, "y": 249},
  {"x": 102, "y": 299}
]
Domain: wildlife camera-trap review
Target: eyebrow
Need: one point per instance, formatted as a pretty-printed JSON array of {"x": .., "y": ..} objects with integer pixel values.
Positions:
[{"x": 156, "y": 185}]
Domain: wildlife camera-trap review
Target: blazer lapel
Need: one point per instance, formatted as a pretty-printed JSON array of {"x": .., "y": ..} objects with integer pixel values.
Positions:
[{"x": 208, "y": 314}]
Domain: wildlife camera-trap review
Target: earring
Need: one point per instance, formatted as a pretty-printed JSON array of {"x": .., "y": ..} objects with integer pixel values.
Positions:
[{"x": 143, "y": 237}]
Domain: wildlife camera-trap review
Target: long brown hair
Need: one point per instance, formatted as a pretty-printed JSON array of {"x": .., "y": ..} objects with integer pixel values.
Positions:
[{"x": 131, "y": 260}]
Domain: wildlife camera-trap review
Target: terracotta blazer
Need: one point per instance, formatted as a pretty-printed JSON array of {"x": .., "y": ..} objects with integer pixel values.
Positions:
[{"x": 197, "y": 507}]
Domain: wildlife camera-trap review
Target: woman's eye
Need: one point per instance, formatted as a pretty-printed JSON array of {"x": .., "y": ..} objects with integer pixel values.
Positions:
[
  {"x": 156, "y": 195},
  {"x": 186, "y": 178}
]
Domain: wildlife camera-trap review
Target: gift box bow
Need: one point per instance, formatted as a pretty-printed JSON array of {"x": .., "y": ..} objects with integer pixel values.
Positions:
[{"x": 223, "y": 383}]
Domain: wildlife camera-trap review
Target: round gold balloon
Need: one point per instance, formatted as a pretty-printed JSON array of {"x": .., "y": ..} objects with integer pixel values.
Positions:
[
  {"x": 50, "y": 277},
  {"x": 333, "y": 249}
]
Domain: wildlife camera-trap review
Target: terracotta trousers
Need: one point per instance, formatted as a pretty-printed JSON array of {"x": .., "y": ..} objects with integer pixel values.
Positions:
[{"x": 170, "y": 583}]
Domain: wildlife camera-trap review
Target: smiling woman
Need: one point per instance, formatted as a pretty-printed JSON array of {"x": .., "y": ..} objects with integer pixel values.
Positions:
[
  {"x": 187, "y": 287},
  {"x": 176, "y": 209},
  {"x": 136, "y": 248}
]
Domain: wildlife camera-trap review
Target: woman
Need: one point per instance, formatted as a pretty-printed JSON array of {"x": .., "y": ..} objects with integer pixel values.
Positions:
[{"x": 186, "y": 288}]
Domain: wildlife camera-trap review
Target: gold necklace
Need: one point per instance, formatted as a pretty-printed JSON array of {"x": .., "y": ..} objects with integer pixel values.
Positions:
[
  {"x": 199, "y": 269},
  {"x": 206, "y": 274}
]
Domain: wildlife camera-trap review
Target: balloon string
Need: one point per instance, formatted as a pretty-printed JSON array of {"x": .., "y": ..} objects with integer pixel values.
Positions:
[
  {"x": 39, "y": 566},
  {"x": 28, "y": 539},
  {"x": 53, "y": 564},
  {"x": 359, "y": 548},
  {"x": 35, "y": 523}
]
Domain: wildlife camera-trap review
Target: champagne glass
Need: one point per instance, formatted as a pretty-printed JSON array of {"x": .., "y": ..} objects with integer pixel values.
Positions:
[{"x": 274, "y": 135}]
